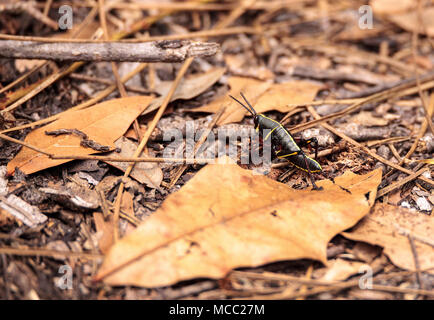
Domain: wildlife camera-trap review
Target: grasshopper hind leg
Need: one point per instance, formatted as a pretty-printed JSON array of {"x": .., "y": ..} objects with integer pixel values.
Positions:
[{"x": 309, "y": 173}]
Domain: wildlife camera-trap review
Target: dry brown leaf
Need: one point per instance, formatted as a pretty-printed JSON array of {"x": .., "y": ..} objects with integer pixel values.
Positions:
[
  {"x": 238, "y": 66},
  {"x": 7, "y": 219},
  {"x": 280, "y": 95},
  {"x": 104, "y": 231},
  {"x": 23, "y": 65},
  {"x": 131, "y": 133},
  {"x": 382, "y": 227},
  {"x": 365, "y": 252},
  {"x": 227, "y": 217},
  {"x": 104, "y": 123},
  {"x": 251, "y": 88},
  {"x": 263, "y": 96},
  {"x": 410, "y": 21},
  {"x": 188, "y": 88},
  {"x": 382, "y": 7},
  {"x": 341, "y": 269},
  {"x": 365, "y": 118},
  {"x": 148, "y": 173}
]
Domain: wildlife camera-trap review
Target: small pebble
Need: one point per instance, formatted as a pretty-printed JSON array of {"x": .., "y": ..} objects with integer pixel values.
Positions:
[
  {"x": 405, "y": 204},
  {"x": 423, "y": 204}
]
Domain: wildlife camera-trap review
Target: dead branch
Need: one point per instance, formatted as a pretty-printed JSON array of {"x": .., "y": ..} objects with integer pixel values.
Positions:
[{"x": 158, "y": 51}]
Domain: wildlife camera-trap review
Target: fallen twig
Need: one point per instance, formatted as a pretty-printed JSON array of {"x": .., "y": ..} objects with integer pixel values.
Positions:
[
  {"x": 364, "y": 148},
  {"x": 48, "y": 253},
  {"x": 400, "y": 183},
  {"x": 159, "y": 51}
]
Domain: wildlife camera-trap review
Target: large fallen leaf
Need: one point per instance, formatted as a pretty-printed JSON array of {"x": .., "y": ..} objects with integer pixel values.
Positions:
[
  {"x": 227, "y": 217},
  {"x": 386, "y": 227},
  {"x": 263, "y": 96},
  {"x": 104, "y": 123}
]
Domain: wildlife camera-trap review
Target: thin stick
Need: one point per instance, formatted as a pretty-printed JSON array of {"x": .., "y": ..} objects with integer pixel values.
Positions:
[
  {"x": 394, "y": 152},
  {"x": 111, "y": 159},
  {"x": 416, "y": 260},
  {"x": 367, "y": 150},
  {"x": 47, "y": 7},
  {"x": 422, "y": 131},
  {"x": 83, "y": 77},
  {"x": 23, "y": 77},
  {"x": 234, "y": 14},
  {"x": 184, "y": 5},
  {"x": 48, "y": 253},
  {"x": 398, "y": 91},
  {"x": 135, "y": 159},
  {"x": 193, "y": 6},
  {"x": 190, "y": 35},
  {"x": 400, "y": 183},
  {"x": 30, "y": 8},
  {"x": 7, "y": 138},
  {"x": 387, "y": 141},
  {"x": 325, "y": 286}
]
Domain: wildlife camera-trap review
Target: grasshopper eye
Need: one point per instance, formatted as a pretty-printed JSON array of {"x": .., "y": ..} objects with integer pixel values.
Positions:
[{"x": 256, "y": 122}]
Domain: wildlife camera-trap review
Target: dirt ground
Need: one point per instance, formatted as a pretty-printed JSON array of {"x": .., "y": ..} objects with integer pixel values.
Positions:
[{"x": 369, "y": 72}]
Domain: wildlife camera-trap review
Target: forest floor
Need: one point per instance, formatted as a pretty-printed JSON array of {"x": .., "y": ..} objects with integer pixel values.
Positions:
[{"x": 358, "y": 78}]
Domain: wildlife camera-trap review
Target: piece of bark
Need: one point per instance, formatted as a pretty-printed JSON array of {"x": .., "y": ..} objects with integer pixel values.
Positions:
[
  {"x": 28, "y": 214},
  {"x": 156, "y": 51}
]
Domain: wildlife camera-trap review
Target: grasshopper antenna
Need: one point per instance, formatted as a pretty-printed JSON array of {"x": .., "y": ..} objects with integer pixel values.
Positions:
[
  {"x": 244, "y": 106},
  {"x": 248, "y": 103}
]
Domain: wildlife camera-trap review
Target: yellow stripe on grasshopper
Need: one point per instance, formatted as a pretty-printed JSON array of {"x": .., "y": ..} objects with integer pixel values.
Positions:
[
  {"x": 269, "y": 133},
  {"x": 288, "y": 155}
]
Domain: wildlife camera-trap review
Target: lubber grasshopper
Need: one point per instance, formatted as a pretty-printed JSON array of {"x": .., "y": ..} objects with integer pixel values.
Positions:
[{"x": 283, "y": 143}]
